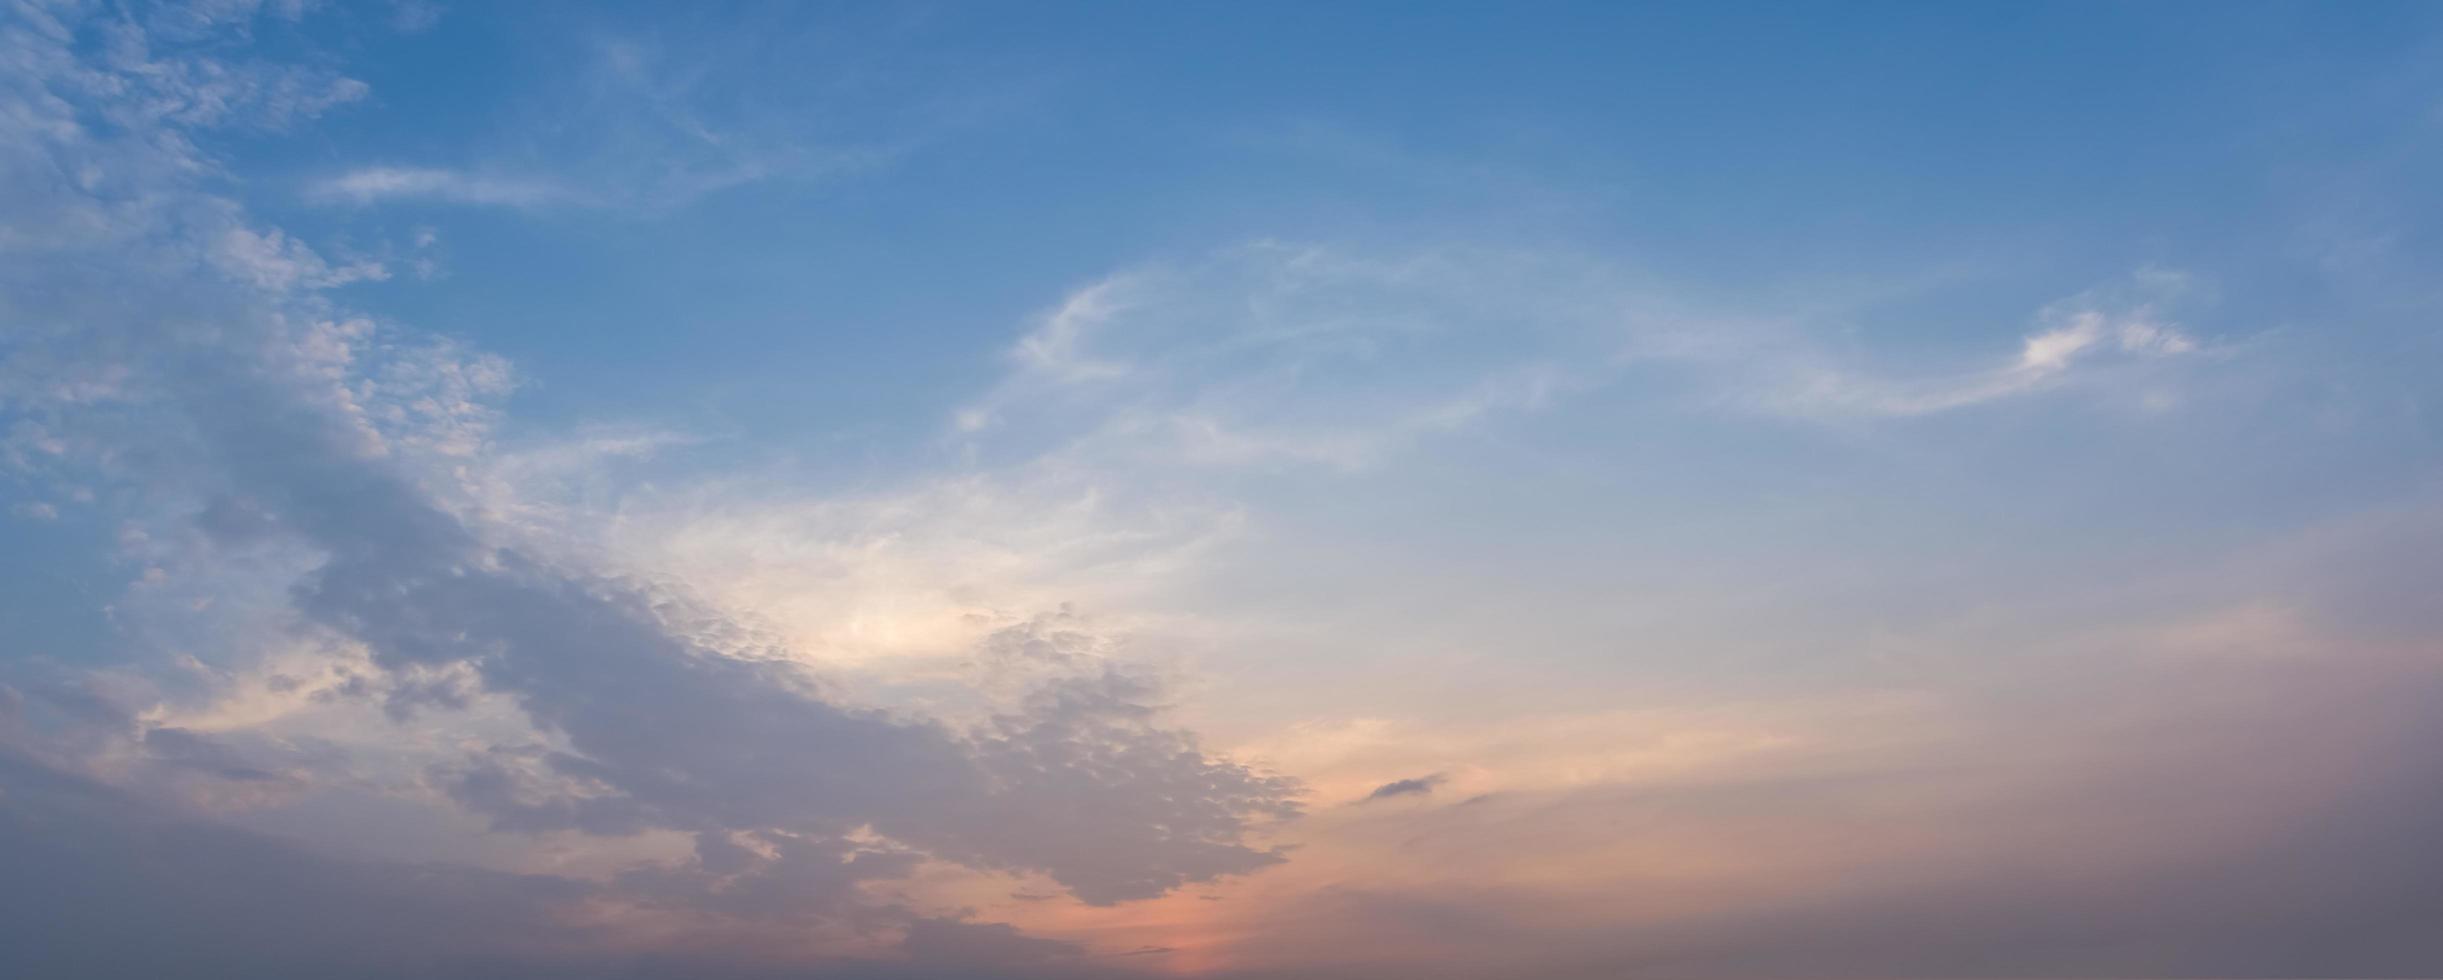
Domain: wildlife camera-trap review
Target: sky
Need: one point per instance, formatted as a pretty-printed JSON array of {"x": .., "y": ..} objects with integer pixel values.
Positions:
[{"x": 1241, "y": 490}]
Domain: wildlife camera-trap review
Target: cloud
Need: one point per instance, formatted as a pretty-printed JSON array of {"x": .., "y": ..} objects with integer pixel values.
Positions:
[
  {"x": 377, "y": 184},
  {"x": 948, "y": 942},
  {"x": 917, "y": 577},
  {"x": 292, "y": 475},
  {"x": 2052, "y": 350},
  {"x": 1273, "y": 354},
  {"x": 1414, "y": 786},
  {"x": 414, "y": 16},
  {"x": 273, "y": 261},
  {"x": 636, "y": 124},
  {"x": 211, "y": 900},
  {"x": 1054, "y": 347},
  {"x": 742, "y": 746},
  {"x": 214, "y": 901},
  {"x": 2123, "y": 318}
]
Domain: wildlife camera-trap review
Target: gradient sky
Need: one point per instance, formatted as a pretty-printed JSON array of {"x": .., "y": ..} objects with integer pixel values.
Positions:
[{"x": 1349, "y": 491}]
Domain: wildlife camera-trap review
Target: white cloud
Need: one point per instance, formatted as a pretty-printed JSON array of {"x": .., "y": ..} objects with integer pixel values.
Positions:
[
  {"x": 2072, "y": 333},
  {"x": 1272, "y": 353},
  {"x": 637, "y": 125},
  {"x": 2141, "y": 335},
  {"x": 271, "y": 260},
  {"x": 2052, "y": 350},
  {"x": 376, "y": 184},
  {"x": 1056, "y": 349},
  {"x": 913, "y": 577}
]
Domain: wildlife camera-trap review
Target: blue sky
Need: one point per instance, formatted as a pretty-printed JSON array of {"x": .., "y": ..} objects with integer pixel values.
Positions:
[
  {"x": 1259, "y": 490},
  {"x": 1757, "y": 155}
]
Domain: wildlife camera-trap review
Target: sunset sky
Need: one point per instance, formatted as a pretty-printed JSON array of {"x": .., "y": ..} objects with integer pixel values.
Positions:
[{"x": 1299, "y": 491}]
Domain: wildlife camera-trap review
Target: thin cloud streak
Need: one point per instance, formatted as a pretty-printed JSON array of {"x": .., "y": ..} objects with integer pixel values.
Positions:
[
  {"x": 374, "y": 185},
  {"x": 1413, "y": 786}
]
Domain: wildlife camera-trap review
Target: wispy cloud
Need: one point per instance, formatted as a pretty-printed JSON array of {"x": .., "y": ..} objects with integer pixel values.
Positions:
[
  {"x": 377, "y": 184},
  {"x": 274, "y": 261},
  {"x": 1274, "y": 354},
  {"x": 641, "y": 125},
  {"x": 2070, "y": 335}
]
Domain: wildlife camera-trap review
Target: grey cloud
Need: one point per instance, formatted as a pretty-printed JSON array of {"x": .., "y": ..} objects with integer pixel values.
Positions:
[
  {"x": 516, "y": 800},
  {"x": 253, "y": 414},
  {"x": 803, "y": 878},
  {"x": 188, "y": 750},
  {"x": 694, "y": 740},
  {"x": 103, "y": 884},
  {"x": 67, "y": 717},
  {"x": 949, "y": 942},
  {"x": 1417, "y": 786}
]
